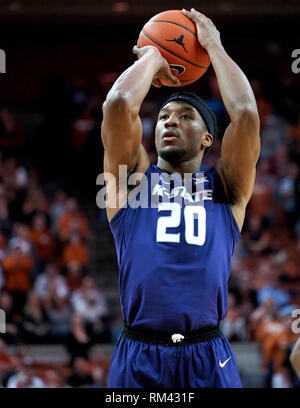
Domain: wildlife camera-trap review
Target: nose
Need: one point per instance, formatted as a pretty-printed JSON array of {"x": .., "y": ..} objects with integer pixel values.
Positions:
[{"x": 172, "y": 121}]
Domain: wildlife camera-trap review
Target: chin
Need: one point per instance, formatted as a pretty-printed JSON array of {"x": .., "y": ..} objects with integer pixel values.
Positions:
[{"x": 171, "y": 155}]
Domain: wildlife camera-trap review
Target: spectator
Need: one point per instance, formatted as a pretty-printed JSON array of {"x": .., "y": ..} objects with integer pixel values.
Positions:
[
  {"x": 81, "y": 128},
  {"x": 262, "y": 202},
  {"x": 257, "y": 238},
  {"x": 99, "y": 380},
  {"x": 289, "y": 277},
  {"x": 43, "y": 242},
  {"x": 268, "y": 284},
  {"x": 273, "y": 331},
  {"x": 78, "y": 343},
  {"x": 99, "y": 359},
  {"x": 17, "y": 267},
  {"x": 88, "y": 287},
  {"x": 72, "y": 220},
  {"x": 8, "y": 363},
  {"x": 74, "y": 276},
  {"x": 75, "y": 250},
  {"x": 12, "y": 319},
  {"x": 80, "y": 376},
  {"x": 25, "y": 378},
  {"x": 58, "y": 207},
  {"x": 286, "y": 194},
  {"x": 89, "y": 303},
  {"x": 59, "y": 314},
  {"x": 35, "y": 202},
  {"x": 50, "y": 283},
  {"x": 21, "y": 238},
  {"x": 53, "y": 379},
  {"x": 234, "y": 324},
  {"x": 35, "y": 324}
]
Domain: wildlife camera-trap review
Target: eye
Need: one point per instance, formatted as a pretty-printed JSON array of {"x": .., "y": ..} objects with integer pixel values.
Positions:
[
  {"x": 185, "y": 116},
  {"x": 164, "y": 117}
]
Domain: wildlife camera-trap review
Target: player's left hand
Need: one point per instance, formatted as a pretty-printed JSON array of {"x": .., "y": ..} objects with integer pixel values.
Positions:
[{"x": 206, "y": 30}]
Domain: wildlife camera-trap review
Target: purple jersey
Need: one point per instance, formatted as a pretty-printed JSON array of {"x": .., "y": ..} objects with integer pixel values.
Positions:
[{"x": 175, "y": 260}]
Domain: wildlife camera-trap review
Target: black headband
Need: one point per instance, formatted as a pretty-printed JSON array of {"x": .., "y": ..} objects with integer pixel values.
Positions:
[{"x": 200, "y": 106}]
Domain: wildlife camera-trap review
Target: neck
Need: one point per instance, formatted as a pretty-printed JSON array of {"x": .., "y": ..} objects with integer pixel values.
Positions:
[{"x": 190, "y": 166}]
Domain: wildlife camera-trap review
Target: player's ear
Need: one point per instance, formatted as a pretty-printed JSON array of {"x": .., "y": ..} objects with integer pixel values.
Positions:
[{"x": 207, "y": 140}]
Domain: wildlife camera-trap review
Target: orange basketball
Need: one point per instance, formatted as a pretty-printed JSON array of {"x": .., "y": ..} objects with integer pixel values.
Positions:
[{"x": 175, "y": 36}]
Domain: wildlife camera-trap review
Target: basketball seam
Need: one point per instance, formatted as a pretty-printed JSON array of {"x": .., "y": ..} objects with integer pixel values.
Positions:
[
  {"x": 172, "y": 22},
  {"x": 173, "y": 53}
]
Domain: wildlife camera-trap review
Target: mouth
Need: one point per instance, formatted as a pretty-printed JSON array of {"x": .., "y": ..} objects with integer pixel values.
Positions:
[{"x": 169, "y": 136}]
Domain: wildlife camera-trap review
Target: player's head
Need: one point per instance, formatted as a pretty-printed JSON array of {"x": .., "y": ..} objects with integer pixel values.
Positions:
[{"x": 185, "y": 128}]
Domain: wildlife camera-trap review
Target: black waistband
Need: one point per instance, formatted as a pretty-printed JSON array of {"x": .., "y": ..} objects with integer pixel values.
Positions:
[{"x": 172, "y": 338}]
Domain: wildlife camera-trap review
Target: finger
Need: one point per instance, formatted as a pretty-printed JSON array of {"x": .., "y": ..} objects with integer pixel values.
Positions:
[
  {"x": 186, "y": 13},
  {"x": 156, "y": 83},
  {"x": 136, "y": 50},
  {"x": 197, "y": 13},
  {"x": 193, "y": 10},
  {"x": 173, "y": 79}
]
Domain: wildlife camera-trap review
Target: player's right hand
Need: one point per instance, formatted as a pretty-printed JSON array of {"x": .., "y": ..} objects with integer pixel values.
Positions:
[{"x": 164, "y": 71}]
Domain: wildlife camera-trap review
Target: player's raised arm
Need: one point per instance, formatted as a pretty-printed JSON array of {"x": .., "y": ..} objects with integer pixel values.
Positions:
[
  {"x": 121, "y": 127},
  {"x": 241, "y": 141}
]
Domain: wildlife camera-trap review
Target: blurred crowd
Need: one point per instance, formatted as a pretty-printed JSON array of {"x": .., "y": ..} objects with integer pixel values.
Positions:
[{"x": 47, "y": 290}]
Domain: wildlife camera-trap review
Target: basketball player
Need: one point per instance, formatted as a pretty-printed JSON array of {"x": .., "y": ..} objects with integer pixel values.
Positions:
[{"x": 174, "y": 261}]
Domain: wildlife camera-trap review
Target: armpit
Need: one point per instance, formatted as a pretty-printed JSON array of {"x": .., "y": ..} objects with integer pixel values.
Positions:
[{"x": 225, "y": 191}]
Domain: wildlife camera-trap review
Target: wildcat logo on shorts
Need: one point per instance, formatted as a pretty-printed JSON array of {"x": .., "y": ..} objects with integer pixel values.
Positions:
[
  {"x": 2, "y": 62},
  {"x": 177, "y": 338}
]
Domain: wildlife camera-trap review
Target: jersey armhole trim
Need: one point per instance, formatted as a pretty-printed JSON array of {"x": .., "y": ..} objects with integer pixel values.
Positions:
[{"x": 236, "y": 233}]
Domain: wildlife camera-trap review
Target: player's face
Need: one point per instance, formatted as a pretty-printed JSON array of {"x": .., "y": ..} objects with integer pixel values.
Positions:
[{"x": 179, "y": 132}]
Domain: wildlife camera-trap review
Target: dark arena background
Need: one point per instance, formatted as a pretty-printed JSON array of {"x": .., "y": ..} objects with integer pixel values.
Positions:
[{"x": 58, "y": 266}]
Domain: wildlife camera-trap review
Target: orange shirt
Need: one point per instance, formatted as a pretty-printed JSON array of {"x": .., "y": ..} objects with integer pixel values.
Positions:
[
  {"x": 75, "y": 252},
  {"x": 68, "y": 223},
  {"x": 44, "y": 244},
  {"x": 17, "y": 272},
  {"x": 274, "y": 338}
]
